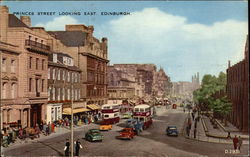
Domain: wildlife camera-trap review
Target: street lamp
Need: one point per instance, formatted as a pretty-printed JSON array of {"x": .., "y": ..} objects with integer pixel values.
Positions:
[{"x": 72, "y": 125}]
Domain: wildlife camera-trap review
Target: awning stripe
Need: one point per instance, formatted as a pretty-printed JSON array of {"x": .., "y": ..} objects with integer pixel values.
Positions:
[{"x": 67, "y": 111}]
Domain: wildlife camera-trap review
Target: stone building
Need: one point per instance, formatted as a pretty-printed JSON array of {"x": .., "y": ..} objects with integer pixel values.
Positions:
[
  {"x": 142, "y": 78},
  {"x": 63, "y": 85},
  {"x": 120, "y": 86},
  {"x": 90, "y": 55},
  {"x": 184, "y": 89},
  {"x": 9, "y": 85},
  {"x": 238, "y": 91},
  {"x": 32, "y": 67}
]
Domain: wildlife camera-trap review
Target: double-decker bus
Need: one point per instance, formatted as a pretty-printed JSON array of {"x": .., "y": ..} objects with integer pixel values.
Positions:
[
  {"x": 110, "y": 113},
  {"x": 143, "y": 113}
]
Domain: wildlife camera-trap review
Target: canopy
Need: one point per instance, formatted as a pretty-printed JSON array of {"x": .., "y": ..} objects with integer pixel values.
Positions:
[
  {"x": 67, "y": 111},
  {"x": 94, "y": 107}
]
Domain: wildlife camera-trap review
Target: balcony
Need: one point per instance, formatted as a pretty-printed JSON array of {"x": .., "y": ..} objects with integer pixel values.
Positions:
[{"x": 36, "y": 46}]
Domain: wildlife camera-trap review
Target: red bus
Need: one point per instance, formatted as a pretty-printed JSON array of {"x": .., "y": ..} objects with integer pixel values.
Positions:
[
  {"x": 110, "y": 113},
  {"x": 143, "y": 113}
]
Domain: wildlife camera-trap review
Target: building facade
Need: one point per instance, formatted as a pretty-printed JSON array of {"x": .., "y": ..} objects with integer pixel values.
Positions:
[
  {"x": 144, "y": 79},
  {"x": 32, "y": 66},
  {"x": 91, "y": 56},
  {"x": 238, "y": 91},
  {"x": 63, "y": 85}
]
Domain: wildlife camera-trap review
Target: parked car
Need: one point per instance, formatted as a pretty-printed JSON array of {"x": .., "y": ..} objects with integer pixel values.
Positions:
[
  {"x": 172, "y": 131},
  {"x": 126, "y": 133},
  {"x": 93, "y": 135},
  {"x": 105, "y": 127}
]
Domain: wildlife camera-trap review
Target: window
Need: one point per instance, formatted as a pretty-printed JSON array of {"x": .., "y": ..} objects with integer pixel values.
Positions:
[
  {"x": 13, "y": 90},
  {"x": 48, "y": 73},
  {"x": 4, "y": 95},
  {"x": 42, "y": 85},
  {"x": 30, "y": 62},
  {"x": 76, "y": 94},
  {"x": 79, "y": 94},
  {"x": 30, "y": 84},
  {"x": 4, "y": 64},
  {"x": 49, "y": 91},
  {"x": 43, "y": 62},
  {"x": 63, "y": 75},
  {"x": 68, "y": 76},
  {"x": 63, "y": 93},
  {"x": 37, "y": 62},
  {"x": 58, "y": 74},
  {"x": 68, "y": 94},
  {"x": 58, "y": 93},
  {"x": 13, "y": 66},
  {"x": 53, "y": 93},
  {"x": 53, "y": 74}
]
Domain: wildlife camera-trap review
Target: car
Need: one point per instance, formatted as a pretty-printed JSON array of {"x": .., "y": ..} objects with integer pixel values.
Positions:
[
  {"x": 126, "y": 133},
  {"x": 172, "y": 131},
  {"x": 105, "y": 127},
  {"x": 93, "y": 135}
]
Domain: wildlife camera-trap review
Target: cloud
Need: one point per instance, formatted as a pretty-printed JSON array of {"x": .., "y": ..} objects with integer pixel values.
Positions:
[
  {"x": 181, "y": 48},
  {"x": 58, "y": 23}
]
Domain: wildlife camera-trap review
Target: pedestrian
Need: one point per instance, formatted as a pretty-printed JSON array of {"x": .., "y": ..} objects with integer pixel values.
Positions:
[
  {"x": 49, "y": 128},
  {"x": 66, "y": 148},
  {"x": 235, "y": 142},
  {"x": 187, "y": 130},
  {"x": 195, "y": 124},
  {"x": 37, "y": 130},
  {"x": 193, "y": 115},
  {"x": 184, "y": 109},
  {"x": 195, "y": 132},
  {"x": 77, "y": 147},
  {"x": 228, "y": 135},
  {"x": 239, "y": 142}
]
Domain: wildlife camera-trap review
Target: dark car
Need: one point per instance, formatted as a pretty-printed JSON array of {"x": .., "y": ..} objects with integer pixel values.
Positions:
[
  {"x": 172, "y": 131},
  {"x": 93, "y": 135}
]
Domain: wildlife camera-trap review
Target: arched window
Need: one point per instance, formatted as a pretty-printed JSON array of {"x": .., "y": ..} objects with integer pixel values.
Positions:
[
  {"x": 4, "y": 94},
  {"x": 13, "y": 90}
]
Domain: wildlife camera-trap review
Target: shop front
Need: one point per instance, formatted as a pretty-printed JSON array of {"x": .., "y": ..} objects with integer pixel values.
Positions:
[{"x": 54, "y": 112}]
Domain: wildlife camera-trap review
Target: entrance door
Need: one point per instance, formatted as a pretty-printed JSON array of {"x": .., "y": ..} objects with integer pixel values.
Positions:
[{"x": 35, "y": 114}]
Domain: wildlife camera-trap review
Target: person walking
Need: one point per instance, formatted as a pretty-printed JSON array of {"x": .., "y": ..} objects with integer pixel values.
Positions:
[
  {"x": 77, "y": 147},
  {"x": 66, "y": 148},
  {"x": 240, "y": 141},
  {"x": 235, "y": 142},
  {"x": 195, "y": 132}
]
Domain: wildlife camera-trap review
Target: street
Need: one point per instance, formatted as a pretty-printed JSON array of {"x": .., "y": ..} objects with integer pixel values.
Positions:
[{"x": 151, "y": 142}]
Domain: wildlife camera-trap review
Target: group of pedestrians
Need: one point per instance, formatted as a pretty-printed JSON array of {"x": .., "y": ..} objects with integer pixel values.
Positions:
[
  {"x": 77, "y": 146},
  {"x": 195, "y": 119},
  {"x": 237, "y": 142}
]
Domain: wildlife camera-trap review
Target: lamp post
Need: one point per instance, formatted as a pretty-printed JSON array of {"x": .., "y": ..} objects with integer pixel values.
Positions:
[{"x": 72, "y": 125}]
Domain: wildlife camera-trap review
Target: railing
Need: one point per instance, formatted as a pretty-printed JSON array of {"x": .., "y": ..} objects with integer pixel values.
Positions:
[{"x": 36, "y": 44}]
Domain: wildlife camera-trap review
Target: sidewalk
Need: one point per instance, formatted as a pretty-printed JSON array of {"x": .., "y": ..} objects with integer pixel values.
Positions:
[
  {"x": 206, "y": 132},
  {"x": 58, "y": 131}
]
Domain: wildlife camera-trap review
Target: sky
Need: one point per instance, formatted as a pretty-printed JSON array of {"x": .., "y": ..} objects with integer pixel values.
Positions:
[{"x": 181, "y": 37}]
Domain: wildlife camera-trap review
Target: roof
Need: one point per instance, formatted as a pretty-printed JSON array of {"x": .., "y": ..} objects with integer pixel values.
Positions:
[
  {"x": 110, "y": 105},
  {"x": 142, "y": 106},
  {"x": 16, "y": 22},
  {"x": 70, "y": 38}
]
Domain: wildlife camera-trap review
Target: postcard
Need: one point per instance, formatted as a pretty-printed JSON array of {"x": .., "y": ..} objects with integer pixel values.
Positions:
[{"x": 123, "y": 78}]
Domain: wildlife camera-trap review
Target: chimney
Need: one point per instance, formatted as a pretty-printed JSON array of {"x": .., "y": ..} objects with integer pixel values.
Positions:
[
  {"x": 26, "y": 20},
  {"x": 4, "y": 20},
  {"x": 229, "y": 64}
]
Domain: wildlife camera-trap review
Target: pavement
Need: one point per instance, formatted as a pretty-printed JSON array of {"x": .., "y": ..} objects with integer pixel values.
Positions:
[
  {"x": 207, "y": 133},
  {"x": 58, "y": 131}
]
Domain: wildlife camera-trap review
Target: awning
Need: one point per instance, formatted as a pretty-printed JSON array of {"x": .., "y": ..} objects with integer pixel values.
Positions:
[
  {"x": 94, "y": 107},
  {"x": 67, "y": 111}
]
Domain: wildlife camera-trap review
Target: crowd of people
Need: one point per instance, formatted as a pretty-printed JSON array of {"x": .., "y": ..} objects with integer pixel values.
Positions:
[{"x": 11, "y": 134}]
